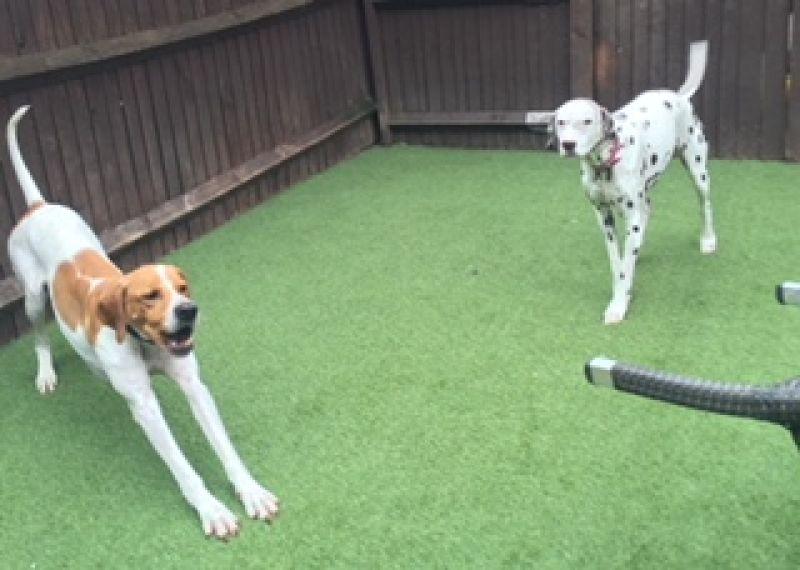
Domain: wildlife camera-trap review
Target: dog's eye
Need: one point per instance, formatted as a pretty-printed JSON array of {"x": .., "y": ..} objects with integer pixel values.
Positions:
[
  {"x": 183, "y": 289},
  {"x": 587, "y": 122},
  {"x": 153, "y": 295}
]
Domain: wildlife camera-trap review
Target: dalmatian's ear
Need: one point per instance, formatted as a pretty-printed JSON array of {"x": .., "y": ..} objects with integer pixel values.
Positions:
[
  {"x": 608, "y": 120},
  {"x": 551, "y": 132}
]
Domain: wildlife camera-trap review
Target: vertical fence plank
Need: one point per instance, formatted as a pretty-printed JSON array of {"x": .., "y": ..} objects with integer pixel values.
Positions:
[
  {"x": 751, "y": 49},
  {"x": 793, "y": 135},
  {"x": 711, "y": 83},
  {"x": 773, "y": 101},
  {"x": 675, "y": 48},
  {"x": 581, "y": 48},
  {"x": 374, "y": 39},
  {"x": 729, "y": 81},
  {"x": 605, "y": 52},
  {"x": 624, "y": 55}
]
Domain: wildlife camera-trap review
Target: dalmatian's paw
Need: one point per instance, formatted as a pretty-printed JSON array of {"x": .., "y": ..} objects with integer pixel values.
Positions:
[
  {"x": 708, "y": 244},
  {"x": 615, "y": 313}
]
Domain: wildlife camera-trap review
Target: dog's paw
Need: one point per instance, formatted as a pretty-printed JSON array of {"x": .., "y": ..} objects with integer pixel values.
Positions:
[
  {"x": 615, "y": 313},
  {"x": 708, "y": 244},
  {"x": 218, "y": 521},
  {"x": 259, "y": 503},
  {"x": 46, "y": 382}
]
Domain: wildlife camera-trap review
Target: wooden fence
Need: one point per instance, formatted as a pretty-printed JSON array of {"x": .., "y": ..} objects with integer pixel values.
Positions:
[
  {"x": 443, "y": 61},
  {"x": 158, "y": 121}
]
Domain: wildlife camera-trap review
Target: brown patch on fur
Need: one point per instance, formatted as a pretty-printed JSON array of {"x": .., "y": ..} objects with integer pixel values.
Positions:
[
  {"x": 80, "y": 304},
  {"x": 32, "y": 209},
  {"x": 95, "y": 265},
  {"x": 70, "y": 295}
]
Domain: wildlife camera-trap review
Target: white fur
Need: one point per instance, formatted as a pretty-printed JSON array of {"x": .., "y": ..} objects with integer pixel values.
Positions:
[
  {"x": 54, "y": 234},
  {"x": 623, "y": 155}
]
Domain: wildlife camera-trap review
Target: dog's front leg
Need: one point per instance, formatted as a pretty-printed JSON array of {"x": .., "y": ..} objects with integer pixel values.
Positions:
[
  {"x": 133, "y": 383},
  {"x": 635, "y": 224},
  {"x": 605, "y": 219},
  {"x": 258, "y": 502}
]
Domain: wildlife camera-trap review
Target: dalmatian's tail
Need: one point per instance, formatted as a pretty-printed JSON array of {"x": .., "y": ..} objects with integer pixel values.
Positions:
[
  {"x": 29, "y": 188},
  {"x": 698, "y": 55}
]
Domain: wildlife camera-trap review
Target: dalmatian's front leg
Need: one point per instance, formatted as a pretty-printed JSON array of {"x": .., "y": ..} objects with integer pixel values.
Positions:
[
  {"x": 635, "y": 225},
  {"x": 605, "y": 219}
]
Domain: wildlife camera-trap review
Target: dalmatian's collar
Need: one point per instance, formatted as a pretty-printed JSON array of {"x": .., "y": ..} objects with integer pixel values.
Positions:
[
  {"x": 603, "y": 156},
  {"x": 606, "y": 153}
]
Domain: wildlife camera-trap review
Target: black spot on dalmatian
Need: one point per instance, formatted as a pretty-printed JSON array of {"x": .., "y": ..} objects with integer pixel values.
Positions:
[
  {"x": 668, "y": 105},
  {"x": 698, "y": 159},
  {"x": 636, "y": 251},
  {"x": 632, "y": 141},
  {"x": 629, "y": 203},
  {"x": 641, "y": 194},
  {"x": 609, "y": 219},
  {"x": 622, "y": 276},
  {"x": 647, "y": 124},
  {"x": 647, "y": 200},
  {"x": 635, "y": 229},
  {"x": 619, "y": 200},
  {"x": 654, "y": 159},
  {"x": 703, "y": 177},
  {"x": 610, "y": 236},
  {"x": 691, "y": 130}
]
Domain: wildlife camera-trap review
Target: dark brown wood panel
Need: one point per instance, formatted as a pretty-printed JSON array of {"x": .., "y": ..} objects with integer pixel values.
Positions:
[
  {"x": 117, "y": 140},
  {"x": 793, "y": 134},
  {"x": 441, "y": 57}
]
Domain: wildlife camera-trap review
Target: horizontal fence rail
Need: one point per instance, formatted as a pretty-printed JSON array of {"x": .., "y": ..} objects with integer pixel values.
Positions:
[{"x": 14, "y": 67}]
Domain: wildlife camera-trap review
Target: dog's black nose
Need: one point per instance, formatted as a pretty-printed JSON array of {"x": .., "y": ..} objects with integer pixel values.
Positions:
[
  {"x": 186, "y": 312},
  {"x": 569, "y": 146}
]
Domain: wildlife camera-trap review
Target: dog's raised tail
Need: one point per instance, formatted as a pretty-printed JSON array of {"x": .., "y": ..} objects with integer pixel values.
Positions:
[
  {"x": 698, "y": 55},
  {"x": 29, "y": 188}
]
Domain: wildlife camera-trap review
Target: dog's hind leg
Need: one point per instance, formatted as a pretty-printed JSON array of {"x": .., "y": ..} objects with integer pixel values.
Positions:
[
  {"x": 28, "y": 271},
  {"x": 35, "y": 304},
  {"x": 695, "y": 157}
]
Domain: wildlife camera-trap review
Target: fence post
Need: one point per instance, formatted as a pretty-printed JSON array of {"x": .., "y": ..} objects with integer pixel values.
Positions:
[
  {"x": 374, "y": 43},
  {"x": 793, "y": 132},
  {"x": 581, "y": 48}
]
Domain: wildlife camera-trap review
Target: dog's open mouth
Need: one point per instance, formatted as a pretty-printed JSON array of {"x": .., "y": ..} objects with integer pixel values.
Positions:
[{"x": 179, "y": 343}]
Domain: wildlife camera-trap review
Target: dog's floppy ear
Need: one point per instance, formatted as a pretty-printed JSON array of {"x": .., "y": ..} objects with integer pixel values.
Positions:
[
  {"x": 111, "y": 308},
  {"x": 608, "y": 120},
  {"x": 551, "y": 132}
]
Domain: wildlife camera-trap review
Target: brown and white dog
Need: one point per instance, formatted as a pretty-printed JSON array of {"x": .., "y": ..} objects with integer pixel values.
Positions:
[{"x": 124, "y": 326}]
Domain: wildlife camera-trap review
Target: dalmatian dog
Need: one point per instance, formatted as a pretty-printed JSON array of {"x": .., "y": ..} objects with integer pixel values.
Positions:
[{"x": 623, "y": 155}]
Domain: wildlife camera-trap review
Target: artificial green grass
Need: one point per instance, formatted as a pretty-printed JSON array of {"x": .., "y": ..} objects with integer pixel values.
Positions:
[{"x": 397, "y": 348}]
